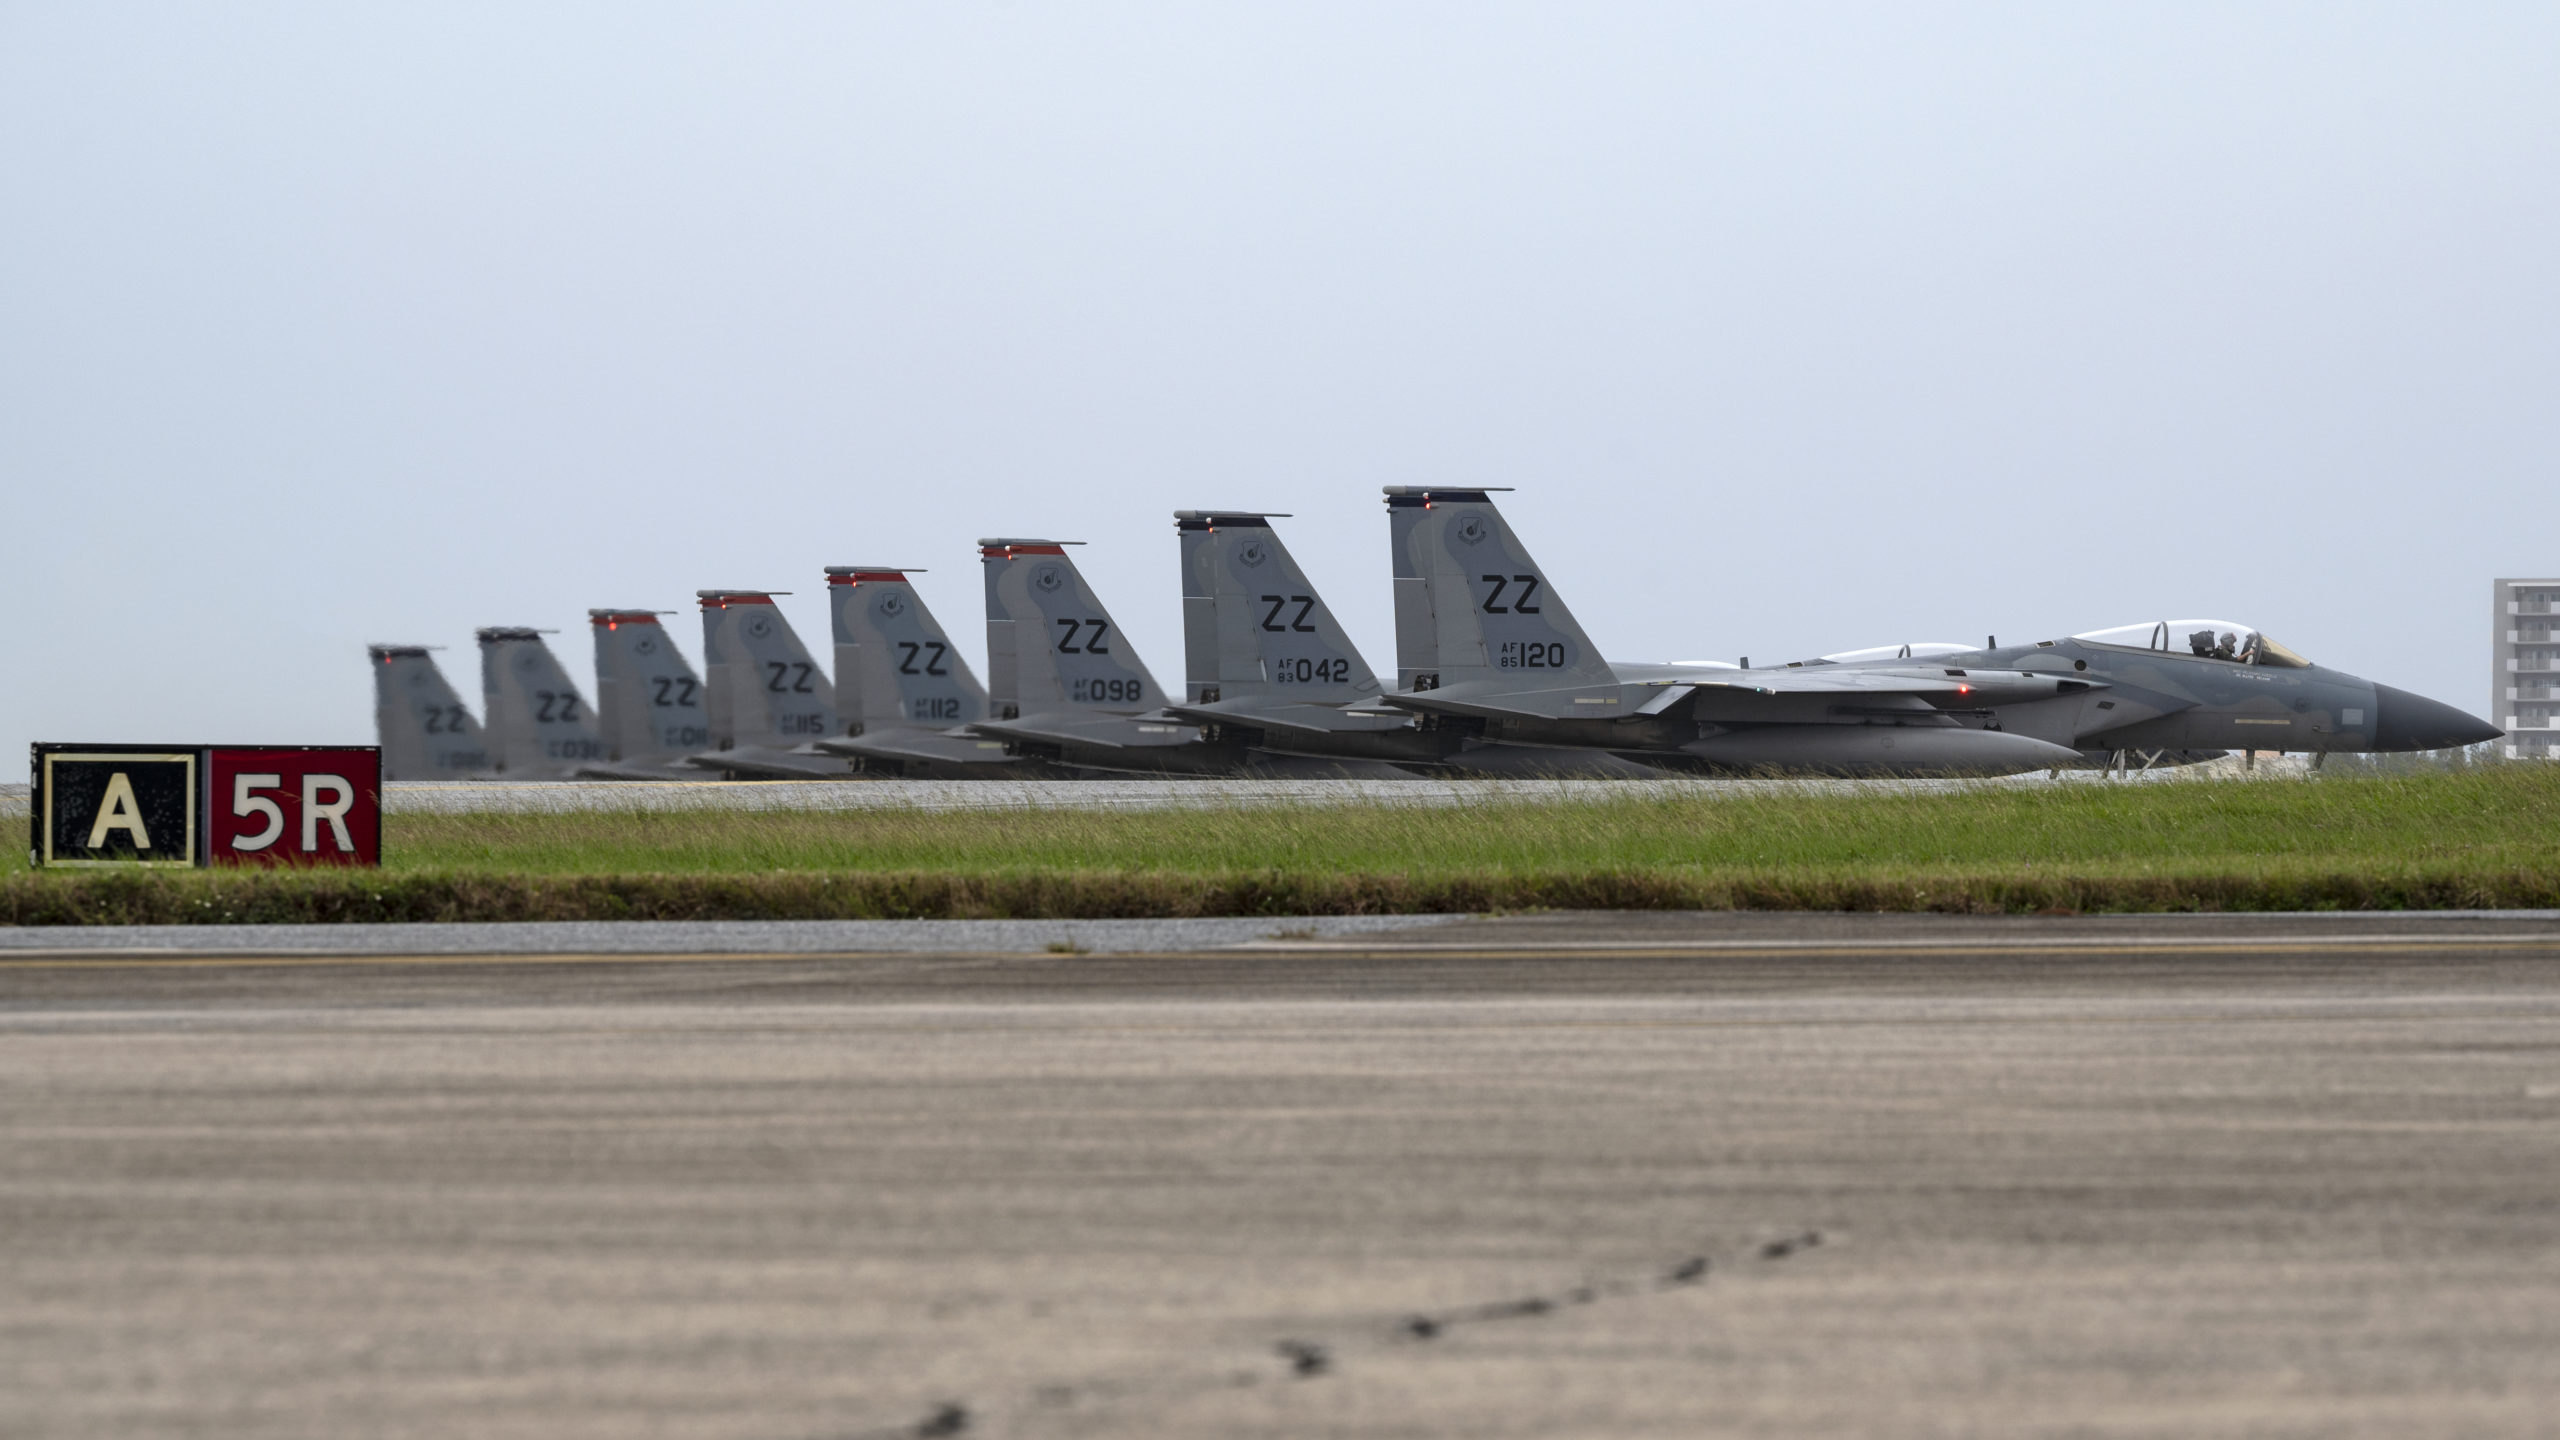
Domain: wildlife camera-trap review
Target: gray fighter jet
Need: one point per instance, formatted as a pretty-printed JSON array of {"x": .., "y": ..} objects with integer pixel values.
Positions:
[
  {"x": 538, "y": 727},
  {"x": 649, "y": 704},
  {"x": 1267, "y": 663},
  {"x": 2171, "y": 689},
  {"x": 907, "y": 695},
  {"x": 419, "y": 721},
  {"x": 1065, "y": 686},
  {"x": 1482, "y": 638},
  {"x": 770, "y": 703}
]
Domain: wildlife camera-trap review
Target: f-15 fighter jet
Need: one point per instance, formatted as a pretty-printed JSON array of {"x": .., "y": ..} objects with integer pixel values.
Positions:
[
  {"x": 907, "y": 695},
  {"x": 1065, "y": 686},
  {"x": 2173, "y": 686},
  {"x": 769, "y": 702},
  {"x": 1482, "y": 637},
  {"x": 1266, "y": 662},
  {"x": 424, "y": 731}
]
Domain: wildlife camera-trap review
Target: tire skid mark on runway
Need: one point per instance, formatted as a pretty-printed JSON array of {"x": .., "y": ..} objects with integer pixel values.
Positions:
[{"x": 1314, "y": 1355}]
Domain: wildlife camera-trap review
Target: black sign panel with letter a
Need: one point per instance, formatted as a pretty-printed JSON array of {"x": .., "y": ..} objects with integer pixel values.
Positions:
[{"x": 116, "y": 805}]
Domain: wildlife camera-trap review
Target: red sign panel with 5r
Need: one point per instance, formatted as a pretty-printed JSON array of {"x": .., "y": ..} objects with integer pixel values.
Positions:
[{"x": 206, "y": 805}]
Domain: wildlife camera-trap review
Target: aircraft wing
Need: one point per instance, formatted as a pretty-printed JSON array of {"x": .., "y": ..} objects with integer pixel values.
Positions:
[
  {"x": 1939, "y": 686},
  {"x": 1153, "y": 730}
]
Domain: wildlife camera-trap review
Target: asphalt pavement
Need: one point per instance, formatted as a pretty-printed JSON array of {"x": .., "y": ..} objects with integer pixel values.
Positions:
[{"x": 1542, "y": 1175}]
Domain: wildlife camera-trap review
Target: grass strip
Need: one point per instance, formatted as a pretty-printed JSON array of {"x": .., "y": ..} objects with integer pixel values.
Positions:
[
  {"x": 2483, "y": 837},
  {"x": 250, "y": 898}
]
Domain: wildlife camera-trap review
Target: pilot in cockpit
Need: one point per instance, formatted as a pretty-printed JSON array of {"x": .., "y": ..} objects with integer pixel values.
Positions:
[{"x": 2206, "y": 640}]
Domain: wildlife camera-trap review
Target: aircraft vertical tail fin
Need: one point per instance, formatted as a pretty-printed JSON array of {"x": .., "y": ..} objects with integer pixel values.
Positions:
[
  {"x": 1251, "y": 622},
  {"x": 649, "y": 703},
  {"x": 538, "y": 725},
  {"x": 1051, "y": 646},
  {"x": 894, "y": 664},
  {"x": 763, "y": 687},
  {"x": 423, "y": 728},
  {"x": 1471, "y": 606}
]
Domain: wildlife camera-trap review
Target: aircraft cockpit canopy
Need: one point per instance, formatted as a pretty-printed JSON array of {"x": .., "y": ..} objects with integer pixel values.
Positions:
[
  {"x": 1910, "y": 650},
  {"x": 2205, "y": 639}
]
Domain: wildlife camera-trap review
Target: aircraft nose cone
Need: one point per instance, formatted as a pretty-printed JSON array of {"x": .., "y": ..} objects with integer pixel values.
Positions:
[{"x": 2403, "y": 721}]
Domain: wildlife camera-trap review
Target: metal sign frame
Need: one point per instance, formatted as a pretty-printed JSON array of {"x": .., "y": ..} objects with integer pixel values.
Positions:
[
  {"x": 43, "y": 758},
  {"x": 200, "y": 761}
]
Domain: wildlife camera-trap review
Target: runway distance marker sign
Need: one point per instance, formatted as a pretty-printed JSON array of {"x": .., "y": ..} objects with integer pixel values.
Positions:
[{"x": 206, "y": 805}]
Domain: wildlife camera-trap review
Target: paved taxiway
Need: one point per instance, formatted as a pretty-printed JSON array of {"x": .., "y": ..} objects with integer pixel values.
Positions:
[{"x": 2171, "y": 1176}]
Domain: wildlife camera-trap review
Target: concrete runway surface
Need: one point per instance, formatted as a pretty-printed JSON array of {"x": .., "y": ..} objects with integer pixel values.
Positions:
[{"x": 1552, "y": 1175}]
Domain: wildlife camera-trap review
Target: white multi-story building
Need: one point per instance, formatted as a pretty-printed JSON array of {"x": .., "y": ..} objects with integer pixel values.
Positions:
[{"x": 2524, "y": 669}]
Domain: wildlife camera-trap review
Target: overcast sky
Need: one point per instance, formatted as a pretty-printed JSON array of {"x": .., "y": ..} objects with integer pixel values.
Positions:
[{"x": 1797, "y": 327}]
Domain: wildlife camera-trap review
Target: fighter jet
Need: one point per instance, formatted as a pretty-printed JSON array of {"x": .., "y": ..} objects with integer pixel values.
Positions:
[
  {"x": 424, "y": 731},
  {"x": 1483, "y": 637},
  {"x": 2172, "y": 689},
  {"x": 1065, "y": 686},
  {"x": 907, "y": 695},
  {"x": 770, "y": 703},
  {"x": 649, "y": 703},
  {"x": 1267, "y": 663}
]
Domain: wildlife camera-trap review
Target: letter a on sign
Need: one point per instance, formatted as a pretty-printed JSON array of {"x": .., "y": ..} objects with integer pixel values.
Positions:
[
  {"x": 207, "y": 805},
  {"x": 115, "y": 805},
  {"x": 118, "y": 810}
]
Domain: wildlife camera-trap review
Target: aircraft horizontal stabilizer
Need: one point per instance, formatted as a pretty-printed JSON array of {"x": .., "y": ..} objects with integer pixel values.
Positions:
[
  {"x": 1260, "y": 713},
  {"x": 757, "y": 762},
  {"x": 638, "y": 770},
  {"x": 1584, "y": 702},
  {"x": 930, "y": 747},
  {"x": 1119, "y": 732}
]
